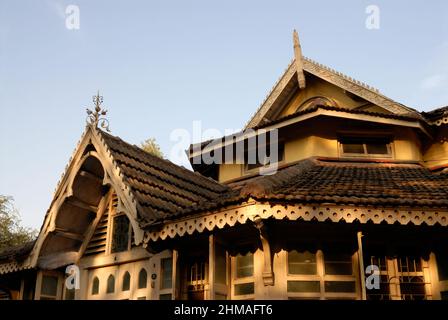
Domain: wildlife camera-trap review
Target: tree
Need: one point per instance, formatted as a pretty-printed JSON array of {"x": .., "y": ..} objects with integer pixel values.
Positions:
[
  {"x": 150, "y": 145},
  {"x": 12, "y": 233}
]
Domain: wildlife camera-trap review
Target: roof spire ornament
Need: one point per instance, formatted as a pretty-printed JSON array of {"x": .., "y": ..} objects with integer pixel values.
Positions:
[
  {"x": 298, "y": 60},
  {"x": 96, "y": 117}
]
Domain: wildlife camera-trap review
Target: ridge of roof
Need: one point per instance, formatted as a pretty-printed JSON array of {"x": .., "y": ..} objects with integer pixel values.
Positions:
[{"x": 357, "y": 83}]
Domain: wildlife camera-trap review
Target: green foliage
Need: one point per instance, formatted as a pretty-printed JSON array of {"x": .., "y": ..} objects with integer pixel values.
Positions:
[
  {"x": 11, "y": 231},
  {"x": 150, "y": 145}
]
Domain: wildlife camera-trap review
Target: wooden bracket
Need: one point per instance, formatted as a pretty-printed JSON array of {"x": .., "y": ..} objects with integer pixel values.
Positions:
[
  {"x": 81, "y": 204},
  {"x": 68, "y": 234},
  {"x": 268, "y": 273}
]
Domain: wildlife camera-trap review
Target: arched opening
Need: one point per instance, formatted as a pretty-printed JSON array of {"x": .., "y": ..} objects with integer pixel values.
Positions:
[
  {"x": 316, "y": 101},
  {"x": 110, "y": 284},
  {"x": 126, "y": 286},
  {"x": 78, "y": 210},
  {"x": 142, "y": 279},
  {"x": 95, "y": 286}
]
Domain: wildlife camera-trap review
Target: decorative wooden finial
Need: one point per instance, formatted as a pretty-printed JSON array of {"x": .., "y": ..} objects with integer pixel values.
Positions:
[
  {"x": 298, "y": 60},
  {"x": 96, "y": 117}
]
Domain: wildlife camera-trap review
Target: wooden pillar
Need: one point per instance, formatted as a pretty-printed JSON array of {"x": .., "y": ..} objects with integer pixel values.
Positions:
[
  {"x": 175, "y": 280},
  {"x": 210, "y": 294},
  {"x": 268, "y": 274},
  {"x": 361, "y": 266},
  {"x": 434, "y": 277}
]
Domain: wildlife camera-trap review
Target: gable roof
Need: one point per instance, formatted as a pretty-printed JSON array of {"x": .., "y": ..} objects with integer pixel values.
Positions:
[
  {"x": 148, "y": 189},
  {"x": 161, "y": 188},
  {"x": 288, "y": 83}
]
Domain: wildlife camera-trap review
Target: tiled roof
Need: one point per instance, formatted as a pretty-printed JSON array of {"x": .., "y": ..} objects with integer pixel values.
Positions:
[
  {"x": 436, "y": 113},
  {"x": 17, "y": 252},
  {"x": 165, "y": 191},
  {"x": 317, "y": 181},
  {"x": 161, "y": 188}
]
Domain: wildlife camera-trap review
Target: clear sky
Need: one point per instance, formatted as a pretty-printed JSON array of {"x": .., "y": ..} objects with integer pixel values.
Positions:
[{"x": 161, "y": 65}]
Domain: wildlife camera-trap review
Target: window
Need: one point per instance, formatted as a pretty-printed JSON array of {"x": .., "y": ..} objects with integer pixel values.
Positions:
[
  {"x": 302, "y": 262},
  {"x": 95, "y": 286},
  {"x": 49, "y": 287},
  {"x": 220, "y": 264},
  {"x": 244, "y": 265},
  {"x": 166, "y": 266},
  {"x": 383, "y": 293},
  {"x": 338, "y": 264},
  {"x": 243, "y": 275},
  {"x": 303, "y": 286},
  {"x": 69, "y": 294},
  {"x": 366, "y": 147},
  {"x": 110, "y": 284},
  {"x": 196, "y": 277},
  {"x": 401, "y": 277},
  {"x": 326, "y": 274},
  {"x": 120, "y": 235},
  {"x": 244, "y": 288},
  {"x": 412, "y": 280},
  {"x": 165, "y": 296},
  {"x": 142, "y": 279},
  {"x": 126, "y": 282}
]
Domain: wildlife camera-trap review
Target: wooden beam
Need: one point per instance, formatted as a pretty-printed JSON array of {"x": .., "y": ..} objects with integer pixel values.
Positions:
[
  {"x": 57, "y": 260},
  {"x": 90, "y": 176},
  {"x": 268, "y": 273},
  {"x": 298, "y": 60},
  {"x": 81, "y": 204},
  {"x": 68, "y": 234}
]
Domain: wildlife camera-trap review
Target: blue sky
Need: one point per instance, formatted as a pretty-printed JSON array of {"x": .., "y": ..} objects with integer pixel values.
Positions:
[{"x": 161, "y": 65}]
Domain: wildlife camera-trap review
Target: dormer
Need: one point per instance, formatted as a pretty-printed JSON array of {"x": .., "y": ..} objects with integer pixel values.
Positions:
[{"x": 316, "y": 111}]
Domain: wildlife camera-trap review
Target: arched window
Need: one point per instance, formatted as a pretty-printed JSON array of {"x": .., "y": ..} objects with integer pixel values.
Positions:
[
  {"x": 317, "y": 101},
  {"x": 110, "y": 284},
  {"x": 142, "y": 279},
  {"x": 95, "y": 286},
  {"x": 126, "y": 282}
]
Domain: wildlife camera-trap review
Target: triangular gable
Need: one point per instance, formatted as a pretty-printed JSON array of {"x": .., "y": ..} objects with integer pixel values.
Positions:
[
  {"x": 288, "y": 85},
  {"x": 71, "y": 201}
]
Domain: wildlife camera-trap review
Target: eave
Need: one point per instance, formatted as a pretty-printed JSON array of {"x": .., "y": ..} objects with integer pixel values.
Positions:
[{"x": 396, "y": 120}]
